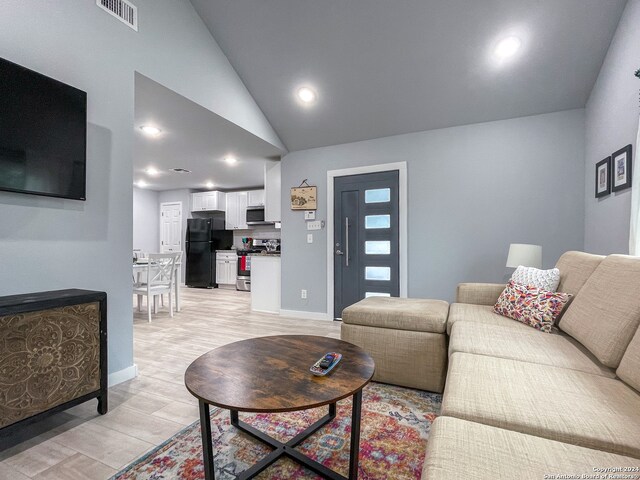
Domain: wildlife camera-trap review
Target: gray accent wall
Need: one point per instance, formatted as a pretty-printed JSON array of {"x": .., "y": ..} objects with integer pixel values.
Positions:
[
  {"x": 50, "y": 244},
  {"x": 611, "y": 123},
  {"x": 146, "y": 220},
  {"x": 472, "y": 190}
]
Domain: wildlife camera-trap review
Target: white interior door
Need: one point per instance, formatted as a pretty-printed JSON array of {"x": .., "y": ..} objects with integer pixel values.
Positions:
[{"x": 170, "y": 227}]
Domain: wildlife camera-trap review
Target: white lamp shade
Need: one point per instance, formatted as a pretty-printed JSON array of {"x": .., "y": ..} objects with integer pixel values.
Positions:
[{"x": 525, "y": 255}]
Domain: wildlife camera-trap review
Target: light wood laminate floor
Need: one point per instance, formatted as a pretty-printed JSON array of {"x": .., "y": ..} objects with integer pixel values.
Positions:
[{"x": 144, "y": 412}]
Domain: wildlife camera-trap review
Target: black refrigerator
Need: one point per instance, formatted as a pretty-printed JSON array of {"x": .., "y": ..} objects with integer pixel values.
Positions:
[{"x": 204, "y": 237}]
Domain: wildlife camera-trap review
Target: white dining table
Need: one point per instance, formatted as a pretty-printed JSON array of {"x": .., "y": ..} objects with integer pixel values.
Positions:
[{"x": 141, "y": 267}]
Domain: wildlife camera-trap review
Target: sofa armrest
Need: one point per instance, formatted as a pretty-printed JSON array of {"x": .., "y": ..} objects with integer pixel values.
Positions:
[{"x": 479, "y": 293}]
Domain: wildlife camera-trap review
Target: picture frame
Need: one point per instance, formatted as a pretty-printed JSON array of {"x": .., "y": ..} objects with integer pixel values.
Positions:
[
  {"x": 621, "y": 169},
  {"x": 603, "y": 178},
  {"x": 304, "y": 198}
]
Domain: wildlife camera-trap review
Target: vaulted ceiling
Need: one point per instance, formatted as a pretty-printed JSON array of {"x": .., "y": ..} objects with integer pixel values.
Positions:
[
  {"x": 195, "y": 139},
  {"x": 383, "y": 67}
]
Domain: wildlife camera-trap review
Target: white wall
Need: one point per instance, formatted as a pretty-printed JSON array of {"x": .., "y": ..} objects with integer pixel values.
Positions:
[
  {"x": 50, "y": 244},
  {"x": 611, "y": 123},
  {"x": 473, "y": 190},
  {"x": 146, "y": 221}
]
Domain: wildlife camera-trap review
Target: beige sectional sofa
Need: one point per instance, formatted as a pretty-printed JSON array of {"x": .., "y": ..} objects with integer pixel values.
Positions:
[{"x": 519, "y": 403}]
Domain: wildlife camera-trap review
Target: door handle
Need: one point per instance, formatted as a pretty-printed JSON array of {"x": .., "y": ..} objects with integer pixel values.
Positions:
[
  {"x": 339, "y": 252},
  {"x": 346, "y": 242}
]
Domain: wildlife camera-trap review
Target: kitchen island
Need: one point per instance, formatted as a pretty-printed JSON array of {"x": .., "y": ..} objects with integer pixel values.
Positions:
[{"x": 265, "y": 283}]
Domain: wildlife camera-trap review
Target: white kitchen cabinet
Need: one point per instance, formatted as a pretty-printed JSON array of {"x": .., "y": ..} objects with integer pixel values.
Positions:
[
  {"x": 242, "y": 210},
  {"x": 231, "y": 214},
  {"x": 236, "y": 212},
  {"x": 208, "y": 201},
  {"x": 273, "y": 188},
  {"x": 197, "y": 202},
  {"x": 226, "y": 268},
  {"x": 255, "y": 198},
  {"x": 265, "y": 283},
  {"x": 221, "y": 272},
  {"x": 215, "y": 201}
]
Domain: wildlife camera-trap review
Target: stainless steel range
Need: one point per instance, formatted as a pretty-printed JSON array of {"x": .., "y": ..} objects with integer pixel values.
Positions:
[{"x": 243, "y": 279}]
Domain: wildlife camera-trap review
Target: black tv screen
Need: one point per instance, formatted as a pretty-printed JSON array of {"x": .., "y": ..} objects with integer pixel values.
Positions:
[{"x": 43, "y": 134}]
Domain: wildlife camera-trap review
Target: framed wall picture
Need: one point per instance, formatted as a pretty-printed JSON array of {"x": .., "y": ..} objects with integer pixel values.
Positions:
[
  {"x": 304, "y": 198},
  {"x": 603, "y": 177},
  {"x": 621, "y": 169}
]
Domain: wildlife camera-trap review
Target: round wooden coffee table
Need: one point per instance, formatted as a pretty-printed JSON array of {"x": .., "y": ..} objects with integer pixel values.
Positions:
[{"x": 271, "y": 374}]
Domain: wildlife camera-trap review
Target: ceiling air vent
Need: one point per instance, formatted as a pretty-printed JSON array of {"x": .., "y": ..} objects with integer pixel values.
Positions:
[
  {"x": 123, "y": 10},
  {"x": 180, "y": 170}
]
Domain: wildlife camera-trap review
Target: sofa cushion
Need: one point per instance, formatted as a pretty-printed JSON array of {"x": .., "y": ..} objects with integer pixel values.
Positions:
[
  {"x": 415, "y": 314},
  {"x": 544, "y": 279},
  {"x": 479, "y": 314},
  {"x": 531, "y": 305},
  {"x": 629, "y": 369},
  {"x": 575, "y": 268},
  {"x": 605, "y": 315},
  {"x": 461, "y": 449},
  {"x": 550, "y": 402},
  {"x": 479, "y": 293},
  {"x": 559, "y": 350}
]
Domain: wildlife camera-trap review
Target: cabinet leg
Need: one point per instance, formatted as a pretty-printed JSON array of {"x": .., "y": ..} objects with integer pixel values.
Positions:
[{"x": 103, "y": 404}]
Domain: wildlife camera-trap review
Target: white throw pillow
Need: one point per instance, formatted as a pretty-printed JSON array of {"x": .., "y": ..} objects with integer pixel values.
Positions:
[{"x": 544, "y": 279}]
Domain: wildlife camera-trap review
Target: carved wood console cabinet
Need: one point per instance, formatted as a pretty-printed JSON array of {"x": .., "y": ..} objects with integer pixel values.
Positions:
[{"x": 53, "y": 354}]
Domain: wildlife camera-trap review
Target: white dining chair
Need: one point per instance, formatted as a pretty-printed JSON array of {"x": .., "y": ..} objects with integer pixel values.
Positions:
[
  {"x": 176, "y": 282},
  {"x": 160, "y": 277}
]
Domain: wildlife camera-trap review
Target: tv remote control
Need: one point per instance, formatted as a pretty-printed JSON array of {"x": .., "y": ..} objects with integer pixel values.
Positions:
[{"x": 325, "y": 364}]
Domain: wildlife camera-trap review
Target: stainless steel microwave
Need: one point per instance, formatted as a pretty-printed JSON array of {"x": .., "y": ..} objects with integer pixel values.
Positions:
[{"x": 255, "y": 216}]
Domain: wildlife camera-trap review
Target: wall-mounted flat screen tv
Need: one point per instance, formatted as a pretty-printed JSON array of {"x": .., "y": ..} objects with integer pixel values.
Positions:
[{"x": 43, "y": 134}]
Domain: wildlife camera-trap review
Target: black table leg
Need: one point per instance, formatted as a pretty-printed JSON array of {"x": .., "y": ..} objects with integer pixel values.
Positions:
[
  {"x": 207, "y": 446},
  {"x": 355, "y": 435},
  {"x": 286, "y": 449},
  {"x": 234, "y": 418}
]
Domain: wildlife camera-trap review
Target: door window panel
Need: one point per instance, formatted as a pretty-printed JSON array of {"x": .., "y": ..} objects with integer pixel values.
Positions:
[
  {"x": 376, "y": 294},
  {"x": 377, "y": 247},
  {"x": 379, "y": 195},
  {"x": 377, "y": 221},
  {"x": 377, "y": 273}
]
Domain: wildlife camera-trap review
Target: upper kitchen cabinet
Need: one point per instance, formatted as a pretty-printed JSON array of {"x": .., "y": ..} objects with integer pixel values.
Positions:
[
  {"x": 272, "y": 185},
  {"x": 208, "y": 202},
  {"x": 236, "y": 212},
  {"x": 255, "y": 198}
]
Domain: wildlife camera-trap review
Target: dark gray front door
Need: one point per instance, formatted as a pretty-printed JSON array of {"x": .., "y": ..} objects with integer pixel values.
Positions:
[{"x": 366, "y": 238}]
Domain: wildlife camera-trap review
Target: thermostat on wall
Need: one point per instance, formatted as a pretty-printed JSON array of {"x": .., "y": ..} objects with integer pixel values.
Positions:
[{"x": 310, "y": 215}]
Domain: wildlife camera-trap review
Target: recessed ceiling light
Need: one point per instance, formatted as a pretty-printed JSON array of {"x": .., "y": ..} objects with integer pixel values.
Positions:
[
  {"x": 230, "y": 159},
  {"x": 306, "y": 95},
  {"x": 152, "y": 171},
  {"x": 151, "y": 130},
  {"x": 507, "y": 48},
  {"x": 210, "y": 185},
  {"x": 140, "y": 183}
]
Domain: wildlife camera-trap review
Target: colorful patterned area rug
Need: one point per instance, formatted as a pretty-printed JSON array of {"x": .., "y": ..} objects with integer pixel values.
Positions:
[{"x": 395, "y": 426}]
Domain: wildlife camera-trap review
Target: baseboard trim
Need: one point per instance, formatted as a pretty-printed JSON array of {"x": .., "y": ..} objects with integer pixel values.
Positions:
[
  {"x": 123, "y": 375},
  {"x": 305, "y": 315}
]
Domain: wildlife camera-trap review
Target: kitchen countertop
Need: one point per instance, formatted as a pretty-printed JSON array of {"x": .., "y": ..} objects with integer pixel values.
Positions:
[
  {"x": 277, "y": 255},
  {"x": 226, "y": 251}
]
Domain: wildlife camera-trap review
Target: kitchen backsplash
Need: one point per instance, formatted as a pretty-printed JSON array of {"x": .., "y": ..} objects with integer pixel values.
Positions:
[{"x": 265, "y": 232}]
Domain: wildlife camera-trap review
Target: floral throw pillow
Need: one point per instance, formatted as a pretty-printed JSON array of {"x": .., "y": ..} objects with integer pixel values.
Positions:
[{"x": 530, "y": 305}]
